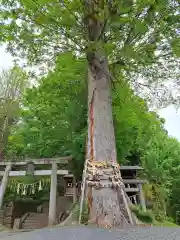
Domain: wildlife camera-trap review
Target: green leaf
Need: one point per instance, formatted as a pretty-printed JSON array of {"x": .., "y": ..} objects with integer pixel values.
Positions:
[
  {"x": 175, "y": 44},
  {"x": 140, "y": 27}
]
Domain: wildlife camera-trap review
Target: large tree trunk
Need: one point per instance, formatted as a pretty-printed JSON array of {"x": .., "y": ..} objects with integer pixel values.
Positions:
[
  {"x": 100, "y": 122},
  {"x": 107, "y": 206}
]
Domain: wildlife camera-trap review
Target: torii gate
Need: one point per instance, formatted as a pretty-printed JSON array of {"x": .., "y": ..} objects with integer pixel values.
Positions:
[{"x": 53, "y": 172}]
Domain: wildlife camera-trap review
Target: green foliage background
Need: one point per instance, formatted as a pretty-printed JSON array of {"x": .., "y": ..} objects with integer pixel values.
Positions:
[{"x": 54, "y": 123}]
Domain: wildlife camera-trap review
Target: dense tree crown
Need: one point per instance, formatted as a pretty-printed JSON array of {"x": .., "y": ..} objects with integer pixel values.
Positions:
[{"x": 140, "y": 38}]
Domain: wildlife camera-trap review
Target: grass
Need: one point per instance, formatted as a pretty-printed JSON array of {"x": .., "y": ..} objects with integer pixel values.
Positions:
[
  {"x": 148, "y": 218},
  {"x": 165, "y": 224},
  {"x": 145, "y": 217},
  {"x": 3, "y": 228}
]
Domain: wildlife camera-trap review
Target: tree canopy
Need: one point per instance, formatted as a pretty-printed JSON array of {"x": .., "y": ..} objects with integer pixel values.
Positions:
[{"x": 140, "y": 38}]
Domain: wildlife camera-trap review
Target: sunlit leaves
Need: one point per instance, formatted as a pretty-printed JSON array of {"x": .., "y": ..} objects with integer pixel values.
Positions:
[
  {"x": 12, "y": 86},
  {"x": 132, "y": 34},
  {"x": 140, "y": 27},
  {"x": 176, "y": 46},
  {"x": 65, "y": 20},
  {"x": 49, "y": 123}
]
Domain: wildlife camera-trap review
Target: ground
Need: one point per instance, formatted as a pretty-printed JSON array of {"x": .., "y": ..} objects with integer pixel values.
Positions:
[{"x": 87, "y": 233}]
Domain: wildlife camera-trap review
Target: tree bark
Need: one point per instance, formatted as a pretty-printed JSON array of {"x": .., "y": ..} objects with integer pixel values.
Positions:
[
  {"x": 100, "y": 118},
  {"x": 104, "y": 209}
]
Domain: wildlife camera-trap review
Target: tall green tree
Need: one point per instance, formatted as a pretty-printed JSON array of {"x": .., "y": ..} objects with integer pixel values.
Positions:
[
  {"x": 135, "y": 125},
  {"x": 106, "y": 32},
  {"x": 12, "y": 86},
  {"x": 53, "y": 117}
]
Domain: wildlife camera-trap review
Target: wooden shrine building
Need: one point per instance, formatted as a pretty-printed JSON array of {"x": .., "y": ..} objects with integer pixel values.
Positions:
[{"x": 133, "y": 185}]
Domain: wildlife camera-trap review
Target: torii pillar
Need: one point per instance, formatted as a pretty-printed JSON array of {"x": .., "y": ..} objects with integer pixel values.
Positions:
[
  {"x": 4, "y": 183},
  {"x": 53, "y": 194}
]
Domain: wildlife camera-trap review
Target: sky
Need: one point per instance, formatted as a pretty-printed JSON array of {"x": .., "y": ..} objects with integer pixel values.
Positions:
[{"x": 171, "y": 115}]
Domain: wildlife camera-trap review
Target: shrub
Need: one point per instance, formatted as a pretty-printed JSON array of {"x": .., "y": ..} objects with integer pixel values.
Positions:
[
  {"x": 146, "y": 217},
  {"x": 85, "y": 214}
]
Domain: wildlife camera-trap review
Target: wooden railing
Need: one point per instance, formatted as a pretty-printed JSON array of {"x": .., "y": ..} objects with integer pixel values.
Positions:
[{"x": 19, "y": 221}]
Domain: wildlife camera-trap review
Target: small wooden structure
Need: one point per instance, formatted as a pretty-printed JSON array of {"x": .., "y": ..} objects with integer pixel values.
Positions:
[
  {"x": 6, "y": 171},
  {"x": 133, "y": 185}
]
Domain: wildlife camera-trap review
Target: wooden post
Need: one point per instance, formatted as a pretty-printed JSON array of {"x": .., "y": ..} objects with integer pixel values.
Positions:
[
  {"x": 74, "y": 190},
  {"x": 4, "y": 183},
  {"x": 64, "y": 185},
  {"x": 141, "y": 197},
  {"x": 126, "y": 206},
  {"x": 135, "y": 201},
  {"x": 53, "y": 194},
  {"x": 83, "y": 186}
]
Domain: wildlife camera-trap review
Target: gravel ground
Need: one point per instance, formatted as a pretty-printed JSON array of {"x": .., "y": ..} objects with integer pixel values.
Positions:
[{"x": 87, "y": 233}]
